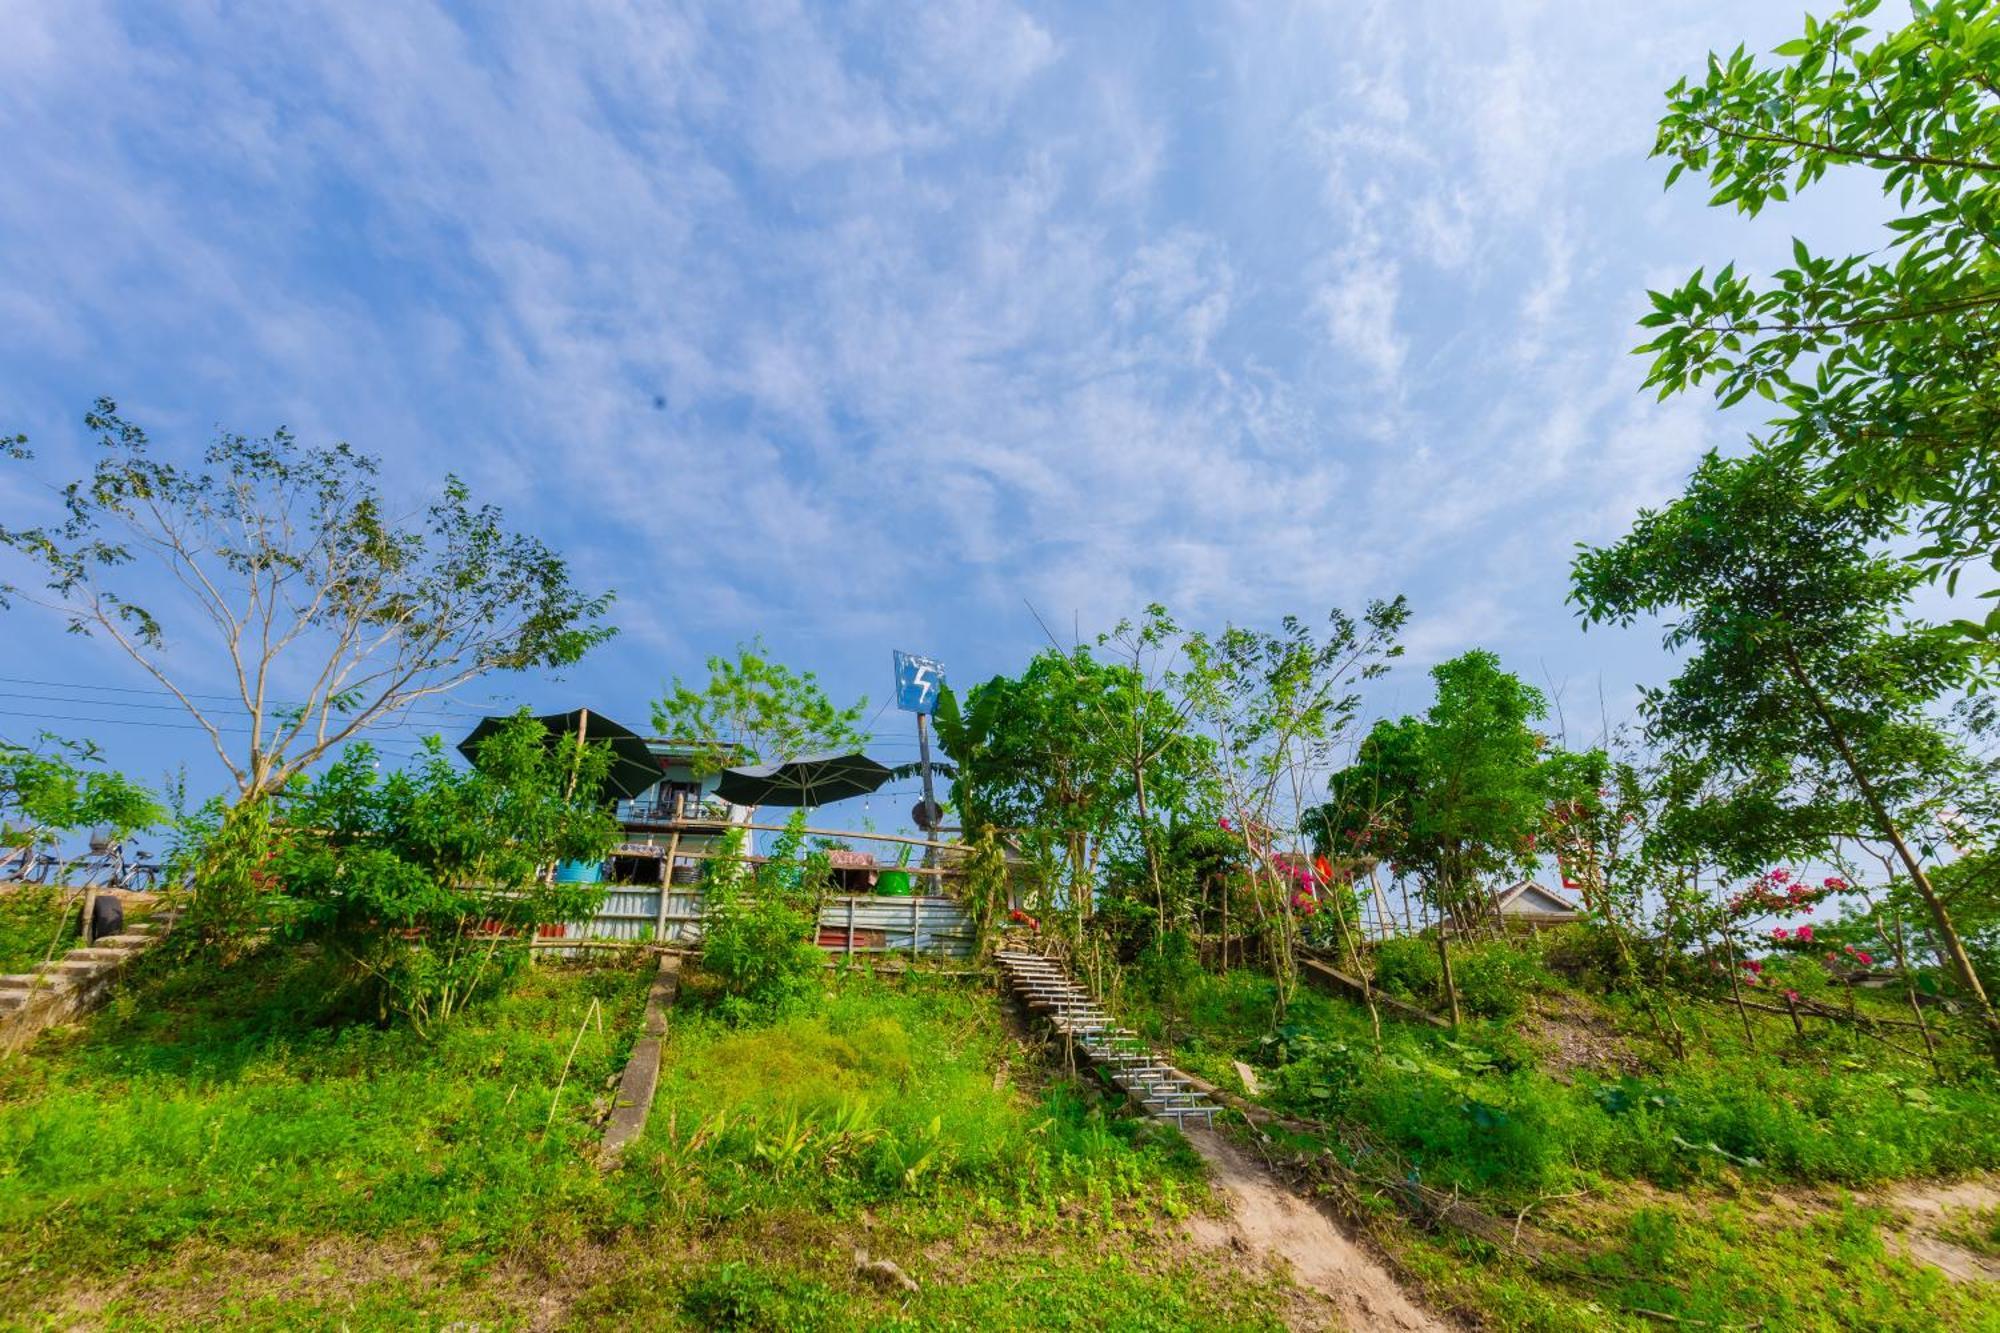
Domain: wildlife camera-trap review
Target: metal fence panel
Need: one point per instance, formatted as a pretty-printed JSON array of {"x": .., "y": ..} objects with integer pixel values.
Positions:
[{"x": 857, "y": 923}]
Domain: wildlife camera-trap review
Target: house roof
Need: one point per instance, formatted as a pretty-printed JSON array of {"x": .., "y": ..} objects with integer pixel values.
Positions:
[{"x": 1531, "y": 899}]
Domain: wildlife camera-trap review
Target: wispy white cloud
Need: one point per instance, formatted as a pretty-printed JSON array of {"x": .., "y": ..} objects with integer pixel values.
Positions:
[{"x": 845, "y": 322}]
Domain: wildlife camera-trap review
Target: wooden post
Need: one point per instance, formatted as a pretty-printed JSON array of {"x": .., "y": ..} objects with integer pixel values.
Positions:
[
  {"x": 666, "y": 886},
  {"x": 1792, "y": 1003}
]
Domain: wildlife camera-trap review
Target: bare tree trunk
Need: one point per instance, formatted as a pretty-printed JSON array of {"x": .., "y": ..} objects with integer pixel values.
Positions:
[
  {"x": 1948, "y": 937},
  {"x": 1910, "y": 991},
  {"x": 1736, "y": 987},
  {"x": 1444, "y": 963}
]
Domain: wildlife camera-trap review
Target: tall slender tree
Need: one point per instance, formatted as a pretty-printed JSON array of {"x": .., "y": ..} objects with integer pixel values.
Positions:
[
  {"x": 1454, "y": 796},
  {"x": 1805, "y": 680}
]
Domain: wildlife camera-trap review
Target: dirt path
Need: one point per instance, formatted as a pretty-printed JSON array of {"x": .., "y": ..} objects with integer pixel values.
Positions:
[
  {"x": 1270, "y": 1223},
  {"x": 1928, "y": 1208}
]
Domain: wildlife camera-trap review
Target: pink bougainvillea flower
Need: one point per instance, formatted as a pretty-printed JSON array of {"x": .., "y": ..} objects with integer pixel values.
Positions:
[
  {"x": 1863, "y": 959},
  {"x": 1804, "y": 935},
  {"x": 1753, "y": 965},
  {"x": 1780, "y": 876},
  {"x": 1223, "y": 823},
  {"x": 1792, "y": 995},
  {"x": 1781, "y": 934}
]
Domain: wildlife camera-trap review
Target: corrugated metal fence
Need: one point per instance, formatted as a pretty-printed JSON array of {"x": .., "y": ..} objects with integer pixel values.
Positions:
[{"x": 848, "y": 923}]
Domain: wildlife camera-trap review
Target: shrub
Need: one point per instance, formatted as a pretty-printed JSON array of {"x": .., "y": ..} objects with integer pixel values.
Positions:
[
  {"x": 1493, "y": 976},
  {"x": 37, "y": 923},
  {"x": 428, "y": 883},
  {"x": 738, "y": 1295},
  {"x": 759, "y": 931},
  {"x": 1320, "y": 1079},
  {"x": 1407, "y": 965},
  {"x": 222, "y": 856}
]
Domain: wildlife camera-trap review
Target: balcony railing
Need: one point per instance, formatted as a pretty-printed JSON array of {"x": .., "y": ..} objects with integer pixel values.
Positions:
[{"x": 681, "y": 809}]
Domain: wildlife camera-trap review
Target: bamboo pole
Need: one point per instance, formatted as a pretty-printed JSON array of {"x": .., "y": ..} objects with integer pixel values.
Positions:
[{"x": 666, "y": 884}]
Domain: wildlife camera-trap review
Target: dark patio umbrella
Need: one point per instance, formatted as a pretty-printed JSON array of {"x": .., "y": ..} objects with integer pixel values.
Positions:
[
  {"x": 815, "y": 779},
  {"x": 633, "y": 767}
]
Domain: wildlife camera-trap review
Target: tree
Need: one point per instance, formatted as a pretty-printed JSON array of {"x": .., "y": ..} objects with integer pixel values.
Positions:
[
  {"x": 62, "y": 787},
  {"x": 1453, "y": 796},
  {"x": 1806, "y": 685},
  {"x": 428, "y": 883},
  {"x": 1059, "y": 755},
  {"x": 756, "y": 710},
  {"x": 332, "y": 611},
  {"x": 1883, "y": 365},
  {"x": 1277, "y": 706}
]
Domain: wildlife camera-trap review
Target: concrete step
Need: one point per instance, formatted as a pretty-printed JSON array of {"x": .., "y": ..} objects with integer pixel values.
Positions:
[
  {"x": 25, "y": 981},
  {"x": 103, "y": 952},
  {"x": 129, "y": 940}
]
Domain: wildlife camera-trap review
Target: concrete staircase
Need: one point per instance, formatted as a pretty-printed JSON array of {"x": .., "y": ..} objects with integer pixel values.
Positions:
[
  {"x": 1045, "y": 987},
  {"x": 73, "y": 984}
]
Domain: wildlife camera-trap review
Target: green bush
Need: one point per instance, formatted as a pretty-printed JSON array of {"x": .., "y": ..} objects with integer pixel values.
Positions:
[
  {"x": 737, "y": 1295},
  {"x": 429, "y": 883},
  {"x": 1494, "y": 977},
  {"x": 760, "y": 929},
  {"x": 1407, "y": 966},
  {"x": 1319, "y": 1080}
]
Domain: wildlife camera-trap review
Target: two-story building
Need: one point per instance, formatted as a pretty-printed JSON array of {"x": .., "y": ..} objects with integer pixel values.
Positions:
[{"x": 672, "y": 825}]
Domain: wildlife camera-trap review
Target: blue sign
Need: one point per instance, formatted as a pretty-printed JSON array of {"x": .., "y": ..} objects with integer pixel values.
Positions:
[{"x": 918, "y": 681}]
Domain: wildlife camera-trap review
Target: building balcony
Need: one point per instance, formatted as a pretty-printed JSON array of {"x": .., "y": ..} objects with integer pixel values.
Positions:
[{"x": 682, "y": 811}]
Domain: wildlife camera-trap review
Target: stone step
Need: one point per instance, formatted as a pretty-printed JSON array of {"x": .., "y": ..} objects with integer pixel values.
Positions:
[
  {"x": 103, "y": 952},
  {"x": 129, "y": 940},
  {"x": 25, "y": 981}
]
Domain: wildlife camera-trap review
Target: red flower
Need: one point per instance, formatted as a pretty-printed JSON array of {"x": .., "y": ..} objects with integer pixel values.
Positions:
[
  {"x": 1753, "y": 965},
  {"x": 1805, "y": 934},
  {"x": 1863, "y": 959},
  {"x": 1781, "y": 934}
]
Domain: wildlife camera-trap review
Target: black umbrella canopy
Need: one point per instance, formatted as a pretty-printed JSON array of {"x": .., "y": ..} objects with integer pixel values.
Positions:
[
  {"x": 633, "y": 767},
  {"x": 817, "y": 779}
]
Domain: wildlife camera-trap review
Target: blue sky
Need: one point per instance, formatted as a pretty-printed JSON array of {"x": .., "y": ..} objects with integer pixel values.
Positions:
[{"x": 866, "y": 327}]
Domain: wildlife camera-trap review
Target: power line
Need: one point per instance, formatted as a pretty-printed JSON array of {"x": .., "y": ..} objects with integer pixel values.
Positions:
[
  {"x": 425, "y": 705},
  {"x": 150, "y": 724}
]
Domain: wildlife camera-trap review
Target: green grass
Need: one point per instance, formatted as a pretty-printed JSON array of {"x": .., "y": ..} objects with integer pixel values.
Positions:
[
  {"x": 1702, "y": 1259},
  {"x": 1475, "y": 1112},
  {"x": 888, "y": 1091},
  {"x": 239, "y": 1149},
  {"x": 245, "y": 1110}
]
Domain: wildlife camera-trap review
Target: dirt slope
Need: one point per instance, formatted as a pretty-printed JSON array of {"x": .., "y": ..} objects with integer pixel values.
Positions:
[{"x": 1273, "y": 1225}]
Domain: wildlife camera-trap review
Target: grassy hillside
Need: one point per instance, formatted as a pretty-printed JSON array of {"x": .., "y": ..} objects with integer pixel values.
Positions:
[
  {"x": 235, "y": 1148},
  {"x": 1751, "y": 1179}
]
